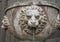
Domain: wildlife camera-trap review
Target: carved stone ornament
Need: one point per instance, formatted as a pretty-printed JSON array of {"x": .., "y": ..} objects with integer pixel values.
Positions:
[{"x": 32, "y": 21}]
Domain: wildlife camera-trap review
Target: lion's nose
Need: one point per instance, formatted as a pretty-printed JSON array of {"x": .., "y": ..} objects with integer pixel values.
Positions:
[
  {"x": 33, "y": 23},
  {"x": 33, "y": 20}
]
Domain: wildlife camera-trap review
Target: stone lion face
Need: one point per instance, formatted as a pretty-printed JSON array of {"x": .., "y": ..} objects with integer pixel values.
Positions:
[{"x": 30, "y": 19}]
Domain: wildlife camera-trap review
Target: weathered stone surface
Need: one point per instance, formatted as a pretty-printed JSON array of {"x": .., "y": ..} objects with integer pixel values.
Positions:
[{"x": 35, "y": 21}]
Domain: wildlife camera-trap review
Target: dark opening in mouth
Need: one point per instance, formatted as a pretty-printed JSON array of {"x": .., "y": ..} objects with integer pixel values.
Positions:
[{"x": 32, "y": 30}]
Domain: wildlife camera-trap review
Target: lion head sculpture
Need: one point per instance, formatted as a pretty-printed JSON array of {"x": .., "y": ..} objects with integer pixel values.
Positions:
[{"x": 30, "y": 20}]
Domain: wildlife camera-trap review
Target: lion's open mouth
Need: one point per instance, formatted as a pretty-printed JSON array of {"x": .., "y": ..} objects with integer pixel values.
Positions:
[{"x": 34, "y": 30}]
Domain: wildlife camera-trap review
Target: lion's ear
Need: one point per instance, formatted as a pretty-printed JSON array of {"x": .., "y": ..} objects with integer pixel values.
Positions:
[{"x": 5, "y": 23}]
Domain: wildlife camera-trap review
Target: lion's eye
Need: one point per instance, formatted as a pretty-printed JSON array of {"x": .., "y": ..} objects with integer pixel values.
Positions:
[
  {"x": 37, "y": 17},
  {"x": 28, "y": 17}
]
